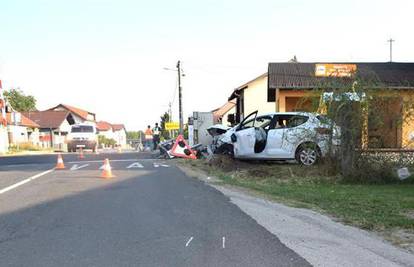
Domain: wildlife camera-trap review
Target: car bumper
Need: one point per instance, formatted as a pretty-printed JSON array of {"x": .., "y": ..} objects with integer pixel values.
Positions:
[{"x": 82, "y": 144}]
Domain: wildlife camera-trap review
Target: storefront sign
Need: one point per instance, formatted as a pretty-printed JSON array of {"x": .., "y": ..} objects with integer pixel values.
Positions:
[{"x": 335, "y": 70}]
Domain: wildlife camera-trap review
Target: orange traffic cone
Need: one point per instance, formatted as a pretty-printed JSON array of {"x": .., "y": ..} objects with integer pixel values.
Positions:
[
  {"x": 107, "y": 172},
  {"x": 60, "y": 165},
  {"x": 81, "y": 156}
]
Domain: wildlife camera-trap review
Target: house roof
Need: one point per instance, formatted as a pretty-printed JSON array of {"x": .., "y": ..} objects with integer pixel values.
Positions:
[
  {"x": 77, "y": 111},
  {"x": 24, "y": 121},
  {"x": 47, "y": 119},
  {"x": 118, "y": 127},
  {"x": 224, "y": 109},
  {"x": 302, "y": 75},
  {"x": 103, "y": 126},
  {"x": 237, "y": 90}
]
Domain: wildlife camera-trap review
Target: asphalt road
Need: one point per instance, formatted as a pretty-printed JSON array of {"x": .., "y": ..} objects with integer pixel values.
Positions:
[{"x": 151, "y": 214}]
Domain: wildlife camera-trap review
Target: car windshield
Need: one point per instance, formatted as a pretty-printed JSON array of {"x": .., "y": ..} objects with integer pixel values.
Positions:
[{"x": 82, "y": 129}]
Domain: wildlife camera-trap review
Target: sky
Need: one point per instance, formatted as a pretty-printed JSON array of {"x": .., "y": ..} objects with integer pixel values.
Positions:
[{"x": 108, "y": 56}]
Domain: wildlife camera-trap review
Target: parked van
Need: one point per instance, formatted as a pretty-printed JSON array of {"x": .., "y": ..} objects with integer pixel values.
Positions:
[{"x": 83, "y": 136}]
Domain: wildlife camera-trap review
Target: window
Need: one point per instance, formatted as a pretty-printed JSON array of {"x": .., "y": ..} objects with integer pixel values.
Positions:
[
  {"x": 262, "y": 122},
  {"x": 290, "y": 121},
  {"x": 295, "y": 121},
  {"x": 271, "y": 95},
  {"x": 82, "y": 129}
]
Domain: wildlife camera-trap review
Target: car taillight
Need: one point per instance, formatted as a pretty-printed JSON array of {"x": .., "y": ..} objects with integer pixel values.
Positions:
[{"x": 324, "y": 131}]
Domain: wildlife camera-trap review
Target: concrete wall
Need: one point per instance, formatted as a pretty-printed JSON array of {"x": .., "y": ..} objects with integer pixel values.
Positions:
[
  {"x": 120, "y": 138},
  {"x": 108, "y": 134},
  {"x": 255, "y": 97},
  {"x": 18, "y": 134},
  {"x": 4, "y": 140}
]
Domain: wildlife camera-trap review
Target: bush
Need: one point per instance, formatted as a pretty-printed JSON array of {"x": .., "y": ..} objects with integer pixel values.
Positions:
[
  {"x": 106, "y": 141},
  {"x": 26, "y": 146}
]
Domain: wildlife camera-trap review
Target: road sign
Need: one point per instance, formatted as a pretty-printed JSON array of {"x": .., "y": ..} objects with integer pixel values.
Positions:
[
  {"x": 182, "y": 149},
  {"x": 172, "y": 126}
]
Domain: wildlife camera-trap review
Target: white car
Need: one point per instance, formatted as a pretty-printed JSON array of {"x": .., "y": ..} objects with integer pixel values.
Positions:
[
  {"x": 83, "y": 136},
  {"x": 303, "y": 136}
]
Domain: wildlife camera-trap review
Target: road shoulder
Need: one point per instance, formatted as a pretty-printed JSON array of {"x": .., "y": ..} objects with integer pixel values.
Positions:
[{"x": 315, "y": 237}]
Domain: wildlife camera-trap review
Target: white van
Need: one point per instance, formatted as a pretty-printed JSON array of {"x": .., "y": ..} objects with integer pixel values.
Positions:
[{"x": 83, "y": 136}]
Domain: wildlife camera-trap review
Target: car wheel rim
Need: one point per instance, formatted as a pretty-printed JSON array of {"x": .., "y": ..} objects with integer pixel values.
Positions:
[{"x": 308, "y": 156}]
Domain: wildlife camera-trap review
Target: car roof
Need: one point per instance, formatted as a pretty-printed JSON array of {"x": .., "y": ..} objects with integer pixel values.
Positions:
[{"x": 288, "y": 113}]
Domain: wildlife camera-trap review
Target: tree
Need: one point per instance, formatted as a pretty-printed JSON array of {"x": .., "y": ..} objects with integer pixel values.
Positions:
[
  {"x": 19, "y": 101},
  {"x": 165, "y": 118},
  {"x": 134, "y": 135}
]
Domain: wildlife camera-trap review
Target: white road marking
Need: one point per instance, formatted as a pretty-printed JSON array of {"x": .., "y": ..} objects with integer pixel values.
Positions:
[
  {"x": 4, "y": 190},
  {"x": 165, "y": 165},
  {"x": 156, "y": 165},
  {"x": 224, "y": 241},
  {"x": 188, "y": 242},
  {"x": 77, "y": 167},
  {"x": 100, "y": 161},
  {"x": 135, "y": 165}
]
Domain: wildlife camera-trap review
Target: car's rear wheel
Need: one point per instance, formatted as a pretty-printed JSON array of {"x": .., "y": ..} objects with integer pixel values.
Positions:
[{"x": 308, "y": 154}]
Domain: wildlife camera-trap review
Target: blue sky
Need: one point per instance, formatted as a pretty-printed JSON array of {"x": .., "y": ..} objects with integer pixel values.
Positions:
[{"x": 108, "y": 56}]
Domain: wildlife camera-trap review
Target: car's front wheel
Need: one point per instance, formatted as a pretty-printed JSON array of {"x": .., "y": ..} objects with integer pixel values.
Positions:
[{"x": 308, "y": 154}]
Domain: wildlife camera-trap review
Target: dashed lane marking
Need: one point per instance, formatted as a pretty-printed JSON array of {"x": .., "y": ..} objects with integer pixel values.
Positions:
[
  {"x": 224, "y": 242},
  {"x": 100, "y": 161},
  {"x": 188, "y": 242},
  {"x": 77, "y": 167},
  {"x": 135, "y": 165},
  {"x": 4, "y": 190},
  {"x": 157, "y": 165}
]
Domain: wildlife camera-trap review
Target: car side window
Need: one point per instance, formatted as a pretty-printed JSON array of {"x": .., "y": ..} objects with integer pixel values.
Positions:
[
  {"x": 289, "y": 121},
  {"x": 263, "y": 122},
  {"x": 247, "y": 124},
  {"x": 296, "y": 120}
]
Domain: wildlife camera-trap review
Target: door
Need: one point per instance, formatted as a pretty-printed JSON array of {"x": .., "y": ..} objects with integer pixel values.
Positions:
[
  {"x": 245, "y": 138},
  {"x": 275, "y": 138}
]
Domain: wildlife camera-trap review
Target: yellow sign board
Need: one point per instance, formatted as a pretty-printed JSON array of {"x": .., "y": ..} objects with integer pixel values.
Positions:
[
  {"x": 172, "y": 126},
  {"x": 335, "y": 70}
]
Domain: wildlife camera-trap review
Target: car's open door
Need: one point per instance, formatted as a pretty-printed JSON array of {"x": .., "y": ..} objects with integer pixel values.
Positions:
[{"x": 244, "y": 138}]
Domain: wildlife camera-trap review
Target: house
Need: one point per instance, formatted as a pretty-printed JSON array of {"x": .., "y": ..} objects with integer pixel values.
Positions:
[
  {"x": 105, "y": 129},
  {"x": 113, "y": 131},
  {"x": 80, "y": 115},
  {"x": 53, "y": 127},
  {"x": 55, "y": 124},
  {"x": 298, "y": 86},
  {"x": 22, "y": 129},
  {"x": 225, "y": 114},
  {"x": 120, "y": 134},
  {"x": 251, "y": 96}
]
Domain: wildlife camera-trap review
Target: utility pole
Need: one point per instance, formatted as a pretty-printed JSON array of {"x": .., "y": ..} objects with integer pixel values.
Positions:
[
  {"x": 391, "y": 41},
  {"x": 180, "y": 98}
]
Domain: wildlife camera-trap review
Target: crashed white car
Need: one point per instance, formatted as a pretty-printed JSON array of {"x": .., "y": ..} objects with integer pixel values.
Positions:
[{"x": 303, "y": 136}]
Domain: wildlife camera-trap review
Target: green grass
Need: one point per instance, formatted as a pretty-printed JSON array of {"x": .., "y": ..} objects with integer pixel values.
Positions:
[{"x": 373, "y": 207}]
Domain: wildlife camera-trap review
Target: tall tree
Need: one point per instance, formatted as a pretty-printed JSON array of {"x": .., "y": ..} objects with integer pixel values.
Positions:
[
  {"x": 165, "y": 118},
  {"x": 19, "y": 101}
]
